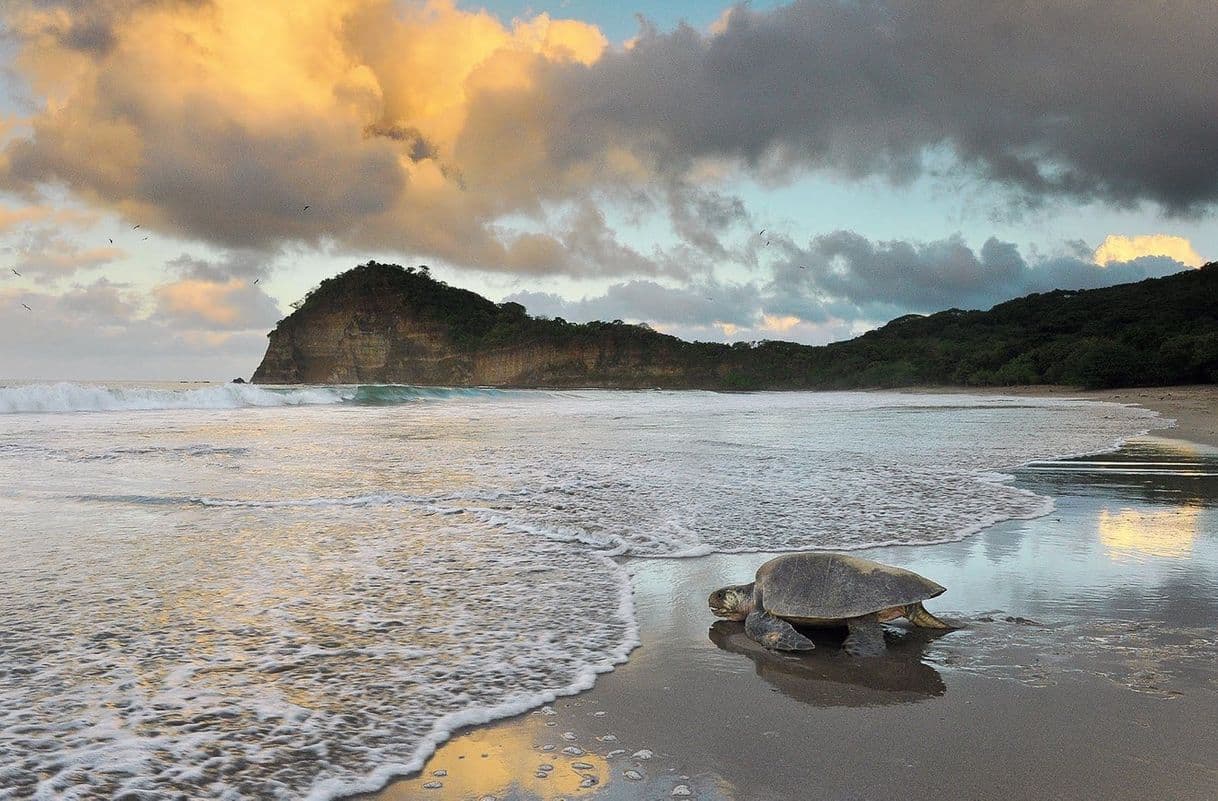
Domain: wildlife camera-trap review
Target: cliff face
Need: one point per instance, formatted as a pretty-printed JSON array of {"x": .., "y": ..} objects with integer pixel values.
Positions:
[{"x": 368, "y": 344}]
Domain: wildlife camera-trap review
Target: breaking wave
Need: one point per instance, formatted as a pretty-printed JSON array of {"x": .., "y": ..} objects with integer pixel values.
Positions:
[{"x": 70, "y": 397}]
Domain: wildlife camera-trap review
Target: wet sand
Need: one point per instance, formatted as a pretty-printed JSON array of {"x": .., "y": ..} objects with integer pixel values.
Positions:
[
  {"x": 1194, "y": 408},
  {"x": 1087, "y": 667}
]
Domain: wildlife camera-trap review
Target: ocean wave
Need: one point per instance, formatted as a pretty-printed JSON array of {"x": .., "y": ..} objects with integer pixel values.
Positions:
[{"x": 71, "y": 397}]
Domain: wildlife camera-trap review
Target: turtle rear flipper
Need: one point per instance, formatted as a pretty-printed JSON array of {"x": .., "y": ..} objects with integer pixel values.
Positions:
[
  {"x": 866, "y": 637},
  {"x": 917, "y": 614},
  {"x": 775, "y": 633}
]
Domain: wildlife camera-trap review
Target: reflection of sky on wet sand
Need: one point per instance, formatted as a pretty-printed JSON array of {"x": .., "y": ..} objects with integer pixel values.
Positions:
[
  {"x": 1133, "y": 535},
  {"x": 1136, "y": 534},
  {"x": 507, "y": 762}
]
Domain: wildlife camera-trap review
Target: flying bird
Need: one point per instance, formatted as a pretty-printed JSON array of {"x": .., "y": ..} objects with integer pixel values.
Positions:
[
  {"x": 761, "y": 232},
  {"x": 15, "y": 272},
  {"x": 767, "y": 243},
  {"x": 27, "y": 308},
  {"x": 134, "y": 227},
  {"x": 306, "y": 208},
  {"x": 256, "y": 280},
  {"x": 802, "y": 267},
  {"x": 111, "y": 241}
]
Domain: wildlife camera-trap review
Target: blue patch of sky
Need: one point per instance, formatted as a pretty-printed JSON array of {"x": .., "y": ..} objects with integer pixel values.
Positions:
[{"x": 618, "y": 21}]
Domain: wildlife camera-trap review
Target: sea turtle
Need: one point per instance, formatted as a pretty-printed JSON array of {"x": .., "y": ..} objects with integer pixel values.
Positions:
[{"x": 826, "y": 589}]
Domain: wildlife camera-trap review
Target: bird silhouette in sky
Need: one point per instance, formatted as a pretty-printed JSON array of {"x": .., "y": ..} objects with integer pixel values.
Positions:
[
  {"x": 15, "y": 272},
  {"x": 761, "y": 232},
  {"x": 767, "y": 243},
  {"x": 111, "y": 240},
  {"x": 802, "y": 267},
  {"x": 256, "y": 280},
  {"x": 306, "y": 208},
  {"x": 134, "y": 227},
  {"x": 27, "y": 308}
]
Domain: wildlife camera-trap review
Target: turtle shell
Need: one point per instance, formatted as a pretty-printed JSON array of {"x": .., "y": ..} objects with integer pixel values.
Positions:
[{"x": 830, "y": 586}]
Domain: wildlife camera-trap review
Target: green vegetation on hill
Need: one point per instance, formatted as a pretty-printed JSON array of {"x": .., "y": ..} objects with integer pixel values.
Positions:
[
  {"x": 1158, "y": 331},
  {"x": 1154, "y": 332}
]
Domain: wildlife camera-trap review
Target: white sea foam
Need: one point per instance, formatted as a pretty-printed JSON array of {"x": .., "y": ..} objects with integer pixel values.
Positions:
[
  {"x": 69, "y": 397},
  {"x": 66, "y": 397},
  {"x": 303, "y": 603}
]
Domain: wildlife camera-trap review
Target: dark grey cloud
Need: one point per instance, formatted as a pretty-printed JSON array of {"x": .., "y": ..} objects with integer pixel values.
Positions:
[
  {"x": 248, "y": 264},
  {"x": 101, "y": 303},
  {"x": 702, "y": 217},
  {"x": 590, "y": 245},
  {"x": 852, "y": 276},
  {"x": 416, "y": 145},
  {"x": 1083, "y": 99}
]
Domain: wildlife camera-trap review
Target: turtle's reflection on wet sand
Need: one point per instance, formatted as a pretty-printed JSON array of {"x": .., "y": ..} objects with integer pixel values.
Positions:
[{"x": 829, "y": 677}]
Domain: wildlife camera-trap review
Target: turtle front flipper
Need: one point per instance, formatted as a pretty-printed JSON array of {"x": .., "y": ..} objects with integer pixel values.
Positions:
[
  {"x": 775, "y": 633},
  {"x": 866, "y": 637}
]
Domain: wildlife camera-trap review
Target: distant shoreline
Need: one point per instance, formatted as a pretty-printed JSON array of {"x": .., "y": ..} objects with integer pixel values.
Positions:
[{"x": 1194, "y": 408}]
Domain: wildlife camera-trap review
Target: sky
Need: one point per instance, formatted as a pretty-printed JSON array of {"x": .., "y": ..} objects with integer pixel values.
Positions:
[{"x": 175, "y": 173}]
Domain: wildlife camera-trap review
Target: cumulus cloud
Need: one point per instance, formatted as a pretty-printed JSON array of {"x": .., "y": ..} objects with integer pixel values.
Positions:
[
  {"x": 1116, "y": 247},
  {"x": 862, "y": 278},
  {"x": 45, "y": 254},
  {"x": 1078, "y": 100},
  {"x": 221, "y": 120},
  {"x": 188, "y": 328},
  {"x": 422, "y": 126}
]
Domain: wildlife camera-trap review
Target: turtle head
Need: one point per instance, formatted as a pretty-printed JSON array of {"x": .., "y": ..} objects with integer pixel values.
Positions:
[{"x": 734, "y": 602}]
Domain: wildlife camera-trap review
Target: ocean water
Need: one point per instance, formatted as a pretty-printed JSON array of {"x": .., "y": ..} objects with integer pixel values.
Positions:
[{"x": 246, "y": 592}]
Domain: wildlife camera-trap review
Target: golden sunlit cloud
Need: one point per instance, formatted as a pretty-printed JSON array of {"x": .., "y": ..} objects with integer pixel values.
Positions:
[
  {"x": 779, "y": 322},
  {"x": 728, "y": 329},
  {"x": 230, "y": 304},
  {"x": 223, "y": 120},
  {"x": 27, "y": 215},
  {"x": 1126, "y": 248},
  {"x": 208, "y": 300}
]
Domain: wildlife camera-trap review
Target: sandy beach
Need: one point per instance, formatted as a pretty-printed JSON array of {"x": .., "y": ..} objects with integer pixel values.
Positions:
[
  {"x": 1086, "y": 665},
  {"x": 1194, "y": 408}
]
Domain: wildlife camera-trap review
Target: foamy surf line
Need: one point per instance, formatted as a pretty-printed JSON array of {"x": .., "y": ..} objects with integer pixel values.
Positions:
[
  {"x": 69, "y": 397},
  {"x": 447, "y": 725}
]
